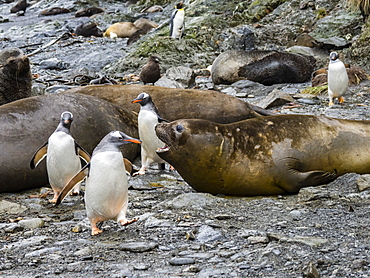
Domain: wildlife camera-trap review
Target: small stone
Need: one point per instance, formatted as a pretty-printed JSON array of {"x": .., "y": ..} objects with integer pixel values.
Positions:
[
  {"x": 258, "y": 239},
  {"x": 363, "y": 182},
  {"x": 295, "y": 214},
  {"x": 13, "y": 228},
  {"x": 10, "y": 207},
  {"x": 138, "y": 247},
  {"x": 77, "y": 229},
  {"x": 222, "y": 216},
  {"x": 275, "y": 98},
  {"x": 312, "y": 193},
  {"x": 85, "y": 252},
  {"x": 192, "y": 268},
  {"x": 311, "y": 271},
  {"x": 208, "y": 234},
  {"x": 181, "y": 261},
  {"x": 32, "y": 223},
  {"x": 190, "y": 235},
  {"x": 141, "y": 267}
]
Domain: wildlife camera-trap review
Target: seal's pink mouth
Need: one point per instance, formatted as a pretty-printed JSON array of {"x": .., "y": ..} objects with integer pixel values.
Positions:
[{"x": 164, "y": 149}]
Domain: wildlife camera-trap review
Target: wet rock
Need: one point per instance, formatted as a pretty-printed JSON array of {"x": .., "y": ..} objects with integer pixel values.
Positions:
[
  {"x": 193, "y": 200},
  {"x": 42, "y": 252},
  {"x": 164, "y": 81},
  {"x": 208, "y": 234},
  {"x": 181, "y": 261},
  {"x": 11, "y": 208},
  {"x": 33, "y": 223},
  {"x": 258, "y": 239},
  {"x": 53, "y": 63},
  {"x": 275, "y": 98},
  {"x": 240, "y": 38},
  {"x": 363, "y": 182},
  {"x": 312, "y": 193},
  {"x": 311, "y": 271},
  {"x": 310, "y": 241},
  {"x": 138, "y": 247},
  {"x": 182, "y": 75},
  {"x": 84, "y": 252},
  {"x": 12, "y": 228}
]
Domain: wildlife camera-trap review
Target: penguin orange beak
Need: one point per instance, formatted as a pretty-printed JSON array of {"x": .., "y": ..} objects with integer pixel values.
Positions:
[
  {"x": 136, "y": 100},
  {"x": 133, "y": 141}
]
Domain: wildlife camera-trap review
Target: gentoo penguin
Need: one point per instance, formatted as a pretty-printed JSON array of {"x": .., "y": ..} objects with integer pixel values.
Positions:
[
  {"x": 147, "y": 120},
  {"x": 62, "y": 156},
  {"x": 337, "y": 79},
  {"x": 106, "y": 190},
  {"x": 150, "y": 73},
  {"x": 177, "y": 22}
]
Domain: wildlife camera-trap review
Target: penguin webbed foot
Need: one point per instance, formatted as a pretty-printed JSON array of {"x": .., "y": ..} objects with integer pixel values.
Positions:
[
  {"x": 140, "y": 172},
  {"x": 127, "y": 222}
]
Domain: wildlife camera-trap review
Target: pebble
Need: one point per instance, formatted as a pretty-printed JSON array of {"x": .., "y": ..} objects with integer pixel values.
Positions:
[
  {"x": 33, "y": 223},
  {"x": 208, "y": 234},
  {"x": 181, "y": 261},
  {"x": 138, "y": 247}
]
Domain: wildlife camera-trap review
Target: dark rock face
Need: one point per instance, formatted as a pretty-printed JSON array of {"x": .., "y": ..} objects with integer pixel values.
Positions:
[
  {"x": 15, "y": 75},
  {"x": 265, "y": 67}
]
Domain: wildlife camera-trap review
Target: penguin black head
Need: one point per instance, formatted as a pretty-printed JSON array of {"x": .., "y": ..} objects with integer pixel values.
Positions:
[
  {"x": 333, "y": 56},
  {"x": 66, "y": 119},
  {"x": 113, "y": 140},
  {"x": 119, "y": 138},
  {"x": 143, "y": 99},
  {"x": 179, "y": 6}
]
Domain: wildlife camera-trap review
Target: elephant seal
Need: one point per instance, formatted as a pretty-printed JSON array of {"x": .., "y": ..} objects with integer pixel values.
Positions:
[
  {"x": 263, "y": 66},
  {"x": 266, "y": 155},
  {"x": 27, "y": 123},
  {"x": 178, "y": 103},
  {"x": 15, "y": 75},
  {"x": 121, "y": 30}
]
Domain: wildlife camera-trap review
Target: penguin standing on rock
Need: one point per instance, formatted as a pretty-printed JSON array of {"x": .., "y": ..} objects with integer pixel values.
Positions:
[
  {"x": 337, "y": 79},
  {"x": 62, "y": 156},
  {"x": 177, "y": 22},
  {"x": 106, "y": 191},
  {"x": 147, "y": 120},
  {"x": 150, "y": 73}
]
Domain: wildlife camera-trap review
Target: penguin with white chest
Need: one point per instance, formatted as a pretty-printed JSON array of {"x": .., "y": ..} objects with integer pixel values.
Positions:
[
  {"x": 337, "y": 79},
  {"x": 147, "y": 120},
  {"x": 62, "y": 156},
  {"x": 106, "y": 190},
  {"x": 177, "y": 22}
]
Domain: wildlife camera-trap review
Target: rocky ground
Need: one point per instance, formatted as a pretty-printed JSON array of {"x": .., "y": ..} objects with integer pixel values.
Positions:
[{"x": 320, "y": 232}]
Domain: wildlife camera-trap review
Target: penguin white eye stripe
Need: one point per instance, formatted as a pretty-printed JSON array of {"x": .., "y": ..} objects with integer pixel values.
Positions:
[{"x": 66, "y": 112}]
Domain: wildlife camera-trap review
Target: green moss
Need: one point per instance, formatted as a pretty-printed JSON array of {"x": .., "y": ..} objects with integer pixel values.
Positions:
[{"x": 320, "y": 13}]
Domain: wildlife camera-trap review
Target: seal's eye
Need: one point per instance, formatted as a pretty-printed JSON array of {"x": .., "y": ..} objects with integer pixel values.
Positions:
[{"x": 179, "y": 128}]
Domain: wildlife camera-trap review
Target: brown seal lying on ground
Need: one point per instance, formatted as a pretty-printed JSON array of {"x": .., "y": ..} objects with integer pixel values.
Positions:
[
  {"x": 15, "y": 75},
  {"x": 178, "y": 103},
  {"x": 266, "y": 155},
  {"x": 264, "y": 66},
  {"x": 26, "y": 124}
]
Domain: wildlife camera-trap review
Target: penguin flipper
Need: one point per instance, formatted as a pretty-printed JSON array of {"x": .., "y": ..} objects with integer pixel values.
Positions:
[
  {"x": 39, "y": 155},
  {"x": 82, "y": 153},
  {"x": 79, "y": 177},
  {"x": 161, "y": 120}
]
